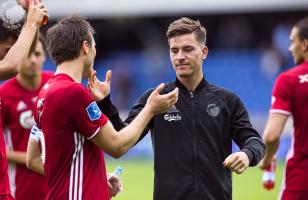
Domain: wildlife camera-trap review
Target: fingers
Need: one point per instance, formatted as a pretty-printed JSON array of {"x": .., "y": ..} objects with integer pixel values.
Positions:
[
  {"x": 108, "y": 77},
  {"x": 237, "y": 162},
  {"x": 93, "y": 77},
  {"x": 172, "y": 97},
  {"x": 31, "y": 3},
  {"x": 159, "y": 88}
]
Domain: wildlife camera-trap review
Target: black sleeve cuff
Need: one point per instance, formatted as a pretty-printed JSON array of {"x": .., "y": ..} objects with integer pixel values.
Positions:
[
  {"x": 250, "y": 156},
  {"x": 106, "y": 106}
]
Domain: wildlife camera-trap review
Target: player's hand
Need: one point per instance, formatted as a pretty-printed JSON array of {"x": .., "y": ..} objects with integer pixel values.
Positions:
[
  {"x": 158, "y": 103},
  {"x": 114, "y": 185},
  {"x": 98, "y": 89},
  {"x": 36, "y": 13},
  {"x": 264, "y": 163},
  {"x": 237, "y": 162}
]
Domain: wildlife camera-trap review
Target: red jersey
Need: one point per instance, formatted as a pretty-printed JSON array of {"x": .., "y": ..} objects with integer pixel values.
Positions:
[
  {"x": 290, "y": 97},
  {"x": 4, "y": 178},
  {"x": 18, "y": 105},
  {"x": 68, "y": 117}
]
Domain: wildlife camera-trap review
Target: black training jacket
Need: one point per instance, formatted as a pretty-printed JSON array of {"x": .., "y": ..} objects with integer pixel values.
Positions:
[{"x": 191, "y": 141}]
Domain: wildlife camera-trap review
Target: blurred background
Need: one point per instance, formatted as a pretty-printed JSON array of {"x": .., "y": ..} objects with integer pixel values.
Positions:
[{"x": 248, "y": 47}]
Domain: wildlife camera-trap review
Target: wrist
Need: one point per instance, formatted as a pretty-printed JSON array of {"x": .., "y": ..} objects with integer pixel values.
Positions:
[
  {"x": 31, "y": 26},
  {"x": 149, "y": 110}
]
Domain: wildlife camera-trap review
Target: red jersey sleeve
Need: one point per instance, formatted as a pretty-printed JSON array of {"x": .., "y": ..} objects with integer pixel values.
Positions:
[
  {"x": 85, "y": 114},
  {"x": 282, "y": 95}
]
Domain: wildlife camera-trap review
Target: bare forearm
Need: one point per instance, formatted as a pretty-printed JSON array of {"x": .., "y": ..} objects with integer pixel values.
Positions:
[
  {"x": 19, "y": 51},
  {"x": 17, "y": 157},
  {"x": 270, "y": 150},
  {"x": 131, "y": 133},
  {"x": 36, "y": 165}
]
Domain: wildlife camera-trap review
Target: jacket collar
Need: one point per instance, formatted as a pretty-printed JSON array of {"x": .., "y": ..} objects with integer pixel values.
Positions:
[{"x": 203, "y": 84}]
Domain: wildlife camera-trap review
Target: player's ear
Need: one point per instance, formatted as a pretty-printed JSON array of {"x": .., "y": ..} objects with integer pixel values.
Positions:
[
  {"x": 305, "y": 45},
  {"x": 205, "y": 51},
  {"x": 85, "y": 47}
]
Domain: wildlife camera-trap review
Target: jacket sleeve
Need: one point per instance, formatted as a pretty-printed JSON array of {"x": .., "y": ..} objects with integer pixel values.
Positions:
[
  {"x": 244, "y": 135},
  {"x": 136, "y": 109},
  {"x": 111, "y": 112}
]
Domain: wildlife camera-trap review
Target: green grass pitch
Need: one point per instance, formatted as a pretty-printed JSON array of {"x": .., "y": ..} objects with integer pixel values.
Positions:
[{"x": 138, "y": 181}]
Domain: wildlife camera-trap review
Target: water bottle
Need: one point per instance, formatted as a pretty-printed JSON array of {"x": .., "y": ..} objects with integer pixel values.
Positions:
[
  {"x": 269, "y": 176},
  {"x": 117, "y": 172}
]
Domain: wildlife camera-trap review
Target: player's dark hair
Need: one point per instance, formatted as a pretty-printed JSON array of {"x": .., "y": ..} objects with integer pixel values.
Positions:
[
  {"x": 184, "y": 26},
  {"x": 65, "y": 38},
  {"x": 302, "y": 27},
  {"x": 6, "y": 32}
]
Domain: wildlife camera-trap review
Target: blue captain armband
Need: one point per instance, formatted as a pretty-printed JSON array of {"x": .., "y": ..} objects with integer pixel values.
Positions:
[{"x": 35, "y": 133}]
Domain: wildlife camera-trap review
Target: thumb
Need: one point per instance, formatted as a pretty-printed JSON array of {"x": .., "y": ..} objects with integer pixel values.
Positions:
[
  {"x": 30, "y": 3},
  {"x": 159, "y": 88},
  {"x": 108, "y": 76}
]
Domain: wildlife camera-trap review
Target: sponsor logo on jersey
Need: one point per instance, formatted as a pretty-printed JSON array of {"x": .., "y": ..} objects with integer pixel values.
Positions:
[
  {"x": 21, "y": 106},
  {"x": 45, "y": 86},
  {"x": 172, "y": 115},
  {"x": 93, "y": 111},
  {"x": 303, "y": 78},
  {"x": 213, "y": 110},
  {"x": 34, "y": 99},
  {"x": 26, "y": 119}
]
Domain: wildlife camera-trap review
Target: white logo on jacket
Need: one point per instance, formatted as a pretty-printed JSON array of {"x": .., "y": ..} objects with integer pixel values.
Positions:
[
  {"x": 213, "y": 110},
  {"x": 172, "y": 115}
]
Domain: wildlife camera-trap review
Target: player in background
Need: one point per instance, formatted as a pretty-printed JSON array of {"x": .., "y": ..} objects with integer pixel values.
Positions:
[
  {"x": 70, "y": 127},
  {"x": 12, "y": 53},
  {"x": 18, "y": 97},
  {"x": 290, "y": 98}
]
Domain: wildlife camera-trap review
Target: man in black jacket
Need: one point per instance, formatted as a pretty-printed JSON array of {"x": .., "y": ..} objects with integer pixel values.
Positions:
[{"x": 192, "y": 142}]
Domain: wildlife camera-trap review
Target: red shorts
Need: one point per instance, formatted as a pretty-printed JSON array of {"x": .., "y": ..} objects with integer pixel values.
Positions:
[{"x": 294, "y": 195}]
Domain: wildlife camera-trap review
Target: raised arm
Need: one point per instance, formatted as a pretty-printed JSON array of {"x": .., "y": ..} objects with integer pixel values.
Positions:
[{"x": 10, "y": 64}]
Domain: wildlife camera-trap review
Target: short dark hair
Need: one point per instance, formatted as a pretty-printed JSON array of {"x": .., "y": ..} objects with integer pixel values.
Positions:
[
  {"x": 7, "y": 32},
  {"x": 302, "y": 27},
  {"x": 65, "y": 38},
  {"x": 184, "y": 26}
]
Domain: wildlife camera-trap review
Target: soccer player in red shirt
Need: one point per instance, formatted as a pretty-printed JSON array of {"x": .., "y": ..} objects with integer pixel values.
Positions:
[
  {"x": 290, "y": 98},
  {"x": 11, "y": 57},
  {"x": 18, "y": 97},
  {"x": 70, "y": 127}
]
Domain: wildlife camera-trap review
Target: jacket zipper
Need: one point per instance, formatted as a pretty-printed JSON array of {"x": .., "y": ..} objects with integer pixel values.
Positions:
[{"x": 195, "y": 146}]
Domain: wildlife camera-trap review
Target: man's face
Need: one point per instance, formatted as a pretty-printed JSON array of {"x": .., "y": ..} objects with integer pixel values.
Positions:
[
  {"x": 32, "y": 66},
  {"x": 187, "y": 55},
  {"x": 296, "y": 47},
  {"x": 5, "y": 46}
]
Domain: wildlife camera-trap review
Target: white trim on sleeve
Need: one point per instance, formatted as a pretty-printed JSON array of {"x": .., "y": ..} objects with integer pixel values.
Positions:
[
  {"x": 94, "y": 134},
  {"x": 280, "y": 111}
]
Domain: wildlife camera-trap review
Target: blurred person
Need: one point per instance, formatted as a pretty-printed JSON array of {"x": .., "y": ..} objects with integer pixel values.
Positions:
[
  {"x": 69, "y": 125},
  {"x": 12, "y": 53},
  {"x": 18, "y": 97},
  {"x": 290, "y": 98},
  {"x": 192, "y": 142}
]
